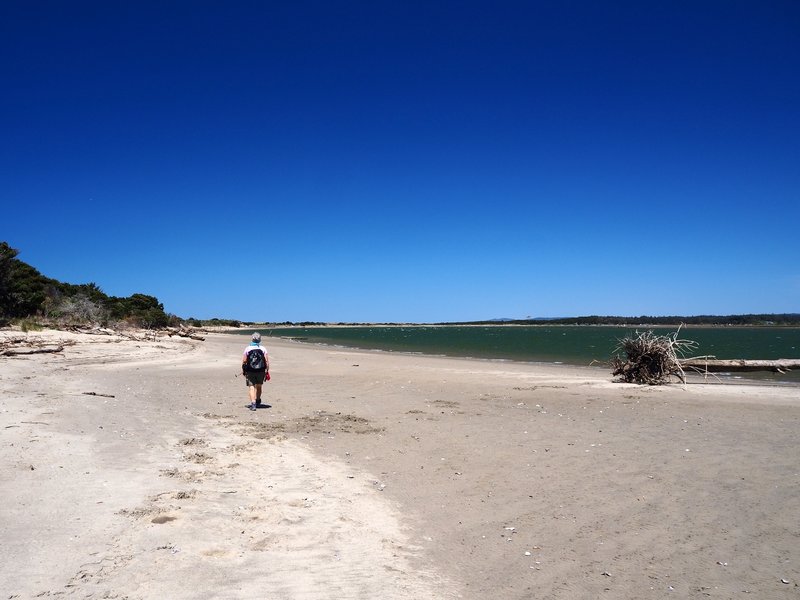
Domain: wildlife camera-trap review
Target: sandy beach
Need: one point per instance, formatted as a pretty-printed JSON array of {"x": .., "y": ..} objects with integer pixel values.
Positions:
[{"x": 133, "y": 469}]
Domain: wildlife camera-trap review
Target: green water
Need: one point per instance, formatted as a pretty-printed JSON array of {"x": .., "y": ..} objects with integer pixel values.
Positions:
[{"x": 575, "y": 345}]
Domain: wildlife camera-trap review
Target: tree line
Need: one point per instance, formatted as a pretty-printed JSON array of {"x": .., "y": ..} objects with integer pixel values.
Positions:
[
  {"x": 784, "y": 319},
  {"x": 27, "y": 294}
]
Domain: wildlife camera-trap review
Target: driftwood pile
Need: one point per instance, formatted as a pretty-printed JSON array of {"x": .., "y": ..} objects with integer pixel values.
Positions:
[
  {"x": 21, "y": 345},
  {"x": 655, "y": 359},
  {"x": 187, "y": 333},
  {"x": 139, "y": 336},
  {"x": 651, "y": 359}
]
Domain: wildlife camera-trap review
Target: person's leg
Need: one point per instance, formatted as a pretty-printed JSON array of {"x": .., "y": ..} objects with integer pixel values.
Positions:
[
  {"x": 251, "y": 388},
  {"x": 258, "y": 392}
]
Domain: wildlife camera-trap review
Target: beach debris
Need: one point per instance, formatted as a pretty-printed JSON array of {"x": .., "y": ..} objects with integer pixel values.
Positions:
[
  {"x": 98, "y": 394},
  {"x": 508, "y": 536},
  {"x": 654, "y": 359},
  {"x": 185, "y": 332},
  {"x": 708, "y": 364},
  {"x": 22, "y": 345},
  {"x": 650, "y": 358},
  {"x": 605, "y": 574},
  {"x": 786, "y": 581}
]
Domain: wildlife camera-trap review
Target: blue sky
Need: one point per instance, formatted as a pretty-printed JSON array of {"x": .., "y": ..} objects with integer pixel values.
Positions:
[{"x": 407, "y": 161}]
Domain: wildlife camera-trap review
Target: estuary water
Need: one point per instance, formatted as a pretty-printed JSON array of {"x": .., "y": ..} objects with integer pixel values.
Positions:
[{"x": 575, "y": 345}]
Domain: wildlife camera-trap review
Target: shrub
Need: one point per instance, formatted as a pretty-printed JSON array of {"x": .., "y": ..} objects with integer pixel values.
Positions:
[
  {"x": 79, "y": 309},
  {"x": 30, "y": 325}
]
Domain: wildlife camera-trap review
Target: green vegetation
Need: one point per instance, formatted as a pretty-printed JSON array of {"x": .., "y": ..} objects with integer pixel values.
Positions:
[
  {"x": 30, "y": 298},
  {"x": 215, "y": 322}
]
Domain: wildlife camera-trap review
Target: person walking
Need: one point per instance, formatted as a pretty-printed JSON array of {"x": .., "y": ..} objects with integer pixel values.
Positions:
[{"x": 255, "y": 368}]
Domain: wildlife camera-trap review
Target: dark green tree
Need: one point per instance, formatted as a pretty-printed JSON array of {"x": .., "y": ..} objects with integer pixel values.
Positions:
[{"x": 22, "y": 288}]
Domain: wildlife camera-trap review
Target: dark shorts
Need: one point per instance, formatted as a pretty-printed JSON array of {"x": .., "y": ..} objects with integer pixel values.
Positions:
[{"x": 254, "y": 378}]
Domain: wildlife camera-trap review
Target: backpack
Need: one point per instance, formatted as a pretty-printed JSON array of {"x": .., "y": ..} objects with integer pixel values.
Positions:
[{"x": 256, "y": 360}]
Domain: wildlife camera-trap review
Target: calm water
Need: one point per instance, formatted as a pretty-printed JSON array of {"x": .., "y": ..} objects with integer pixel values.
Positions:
[{"x": 577, "y": 345}]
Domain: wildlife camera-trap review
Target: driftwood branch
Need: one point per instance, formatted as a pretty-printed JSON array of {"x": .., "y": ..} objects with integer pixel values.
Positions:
[
  {"x": 712, "y": 365},
  {"x": 23, "y": 351},
  {"x": 187, "y": 333},
  {"x": 91, "y": 330},
  {"x": 138, "y": 336},
  {"x": 23, "y": 345},
  {"x": 108, "y": 332}
]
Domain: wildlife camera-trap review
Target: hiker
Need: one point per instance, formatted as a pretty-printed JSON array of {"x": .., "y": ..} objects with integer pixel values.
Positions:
[{"x": 255, "y": 368}]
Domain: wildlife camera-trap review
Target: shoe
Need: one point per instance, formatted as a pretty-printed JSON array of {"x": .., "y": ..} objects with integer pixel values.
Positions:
[
  {"x": 252, "y": 406},
  {"x": 258, "y": 401}
]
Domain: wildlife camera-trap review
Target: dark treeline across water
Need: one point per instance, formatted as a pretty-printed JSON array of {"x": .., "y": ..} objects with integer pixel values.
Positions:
[
  {"x": 762, "y": 320},
  {"x": 575, "y": 345}
]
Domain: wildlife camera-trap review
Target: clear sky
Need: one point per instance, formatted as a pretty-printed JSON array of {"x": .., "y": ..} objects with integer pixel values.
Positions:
[{"x": 407, "y": 161}]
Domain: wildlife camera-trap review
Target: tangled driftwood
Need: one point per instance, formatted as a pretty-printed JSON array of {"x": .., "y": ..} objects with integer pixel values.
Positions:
[
  {"x": 650, "y": 358},
  {"x": 654, "y": 359}
]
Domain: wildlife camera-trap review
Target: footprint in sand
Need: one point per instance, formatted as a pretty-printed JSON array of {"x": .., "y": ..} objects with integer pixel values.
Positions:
[
  {"x": 215, "y": 552},
  {"x": 139, "y": 513},
  {"x": 198, "y": 458},
  {"x": 189, "y": 476},
  {"x": 161, "y": 519},
  {"x": 263, "y": 544},
  {"x": 193, "y": 441}
]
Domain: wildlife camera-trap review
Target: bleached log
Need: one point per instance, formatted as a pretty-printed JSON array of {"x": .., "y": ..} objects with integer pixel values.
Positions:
[
  {"x": 185, "y": 333},
  {"x": 24, "y": 351},
  {"x": 713, "y": 365}
]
